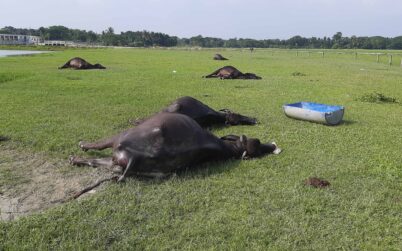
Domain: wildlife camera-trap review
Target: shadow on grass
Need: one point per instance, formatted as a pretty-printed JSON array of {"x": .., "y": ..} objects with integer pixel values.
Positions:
[
  {"x": 241, "y": 87},
  {"x": 195, "y": 172},
  {"x": 73, "y": 78},
  {"x": 208, "y": 169},
  {"x": 347, "y": 122}
]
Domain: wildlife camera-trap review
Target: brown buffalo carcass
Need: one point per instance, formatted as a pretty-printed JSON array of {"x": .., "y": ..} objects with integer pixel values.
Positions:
[
  {"x": 219, "y": 57},
  {"x": 204, "y": 115},
  {"x": 230, "y": 72},
  {"x": 168, "y": 142},
  {"x": 80, "y": 64}
]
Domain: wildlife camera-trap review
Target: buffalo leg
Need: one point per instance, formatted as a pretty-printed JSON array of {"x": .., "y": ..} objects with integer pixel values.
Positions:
[
  {"x": 136, "y": 121},
  {"x": 77, "y": 161},
  {"x": 66, "y": 65},
  {"x": 99, "y": 145},
  {"x": 213, "y": 74}
]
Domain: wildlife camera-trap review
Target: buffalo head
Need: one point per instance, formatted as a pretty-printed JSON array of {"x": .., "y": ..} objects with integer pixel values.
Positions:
[
  {"x": 251, "y": 147},
  {"x": 249, "y": 76},
  {"x": 99, "y": 66}
]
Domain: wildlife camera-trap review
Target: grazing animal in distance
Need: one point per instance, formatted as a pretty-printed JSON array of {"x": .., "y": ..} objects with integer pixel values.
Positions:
[
  {"x": 203, "y": 114},
  {"x": 230, "y": 72},
  {"x": 168, "y": 142},
  {"x": 219, "y": 57},
  {"x": 80, "y": 64}
]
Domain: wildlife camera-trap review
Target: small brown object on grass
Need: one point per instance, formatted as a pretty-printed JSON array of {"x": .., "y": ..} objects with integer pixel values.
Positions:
[{"x": 316, "y": 182}]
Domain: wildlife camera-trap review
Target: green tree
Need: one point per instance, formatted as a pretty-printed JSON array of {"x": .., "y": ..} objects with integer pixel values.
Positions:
[{"x": 108, "y": 37}]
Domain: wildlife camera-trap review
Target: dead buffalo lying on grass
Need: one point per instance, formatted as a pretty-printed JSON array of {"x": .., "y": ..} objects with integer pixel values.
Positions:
[
  {"x": 219, "y": 57},
  {"x": 168, "y": 142},
  {"x": 203, "y": 114},
  {"x": 80, "y": 64},
  {"x": 230, "y": 72}
]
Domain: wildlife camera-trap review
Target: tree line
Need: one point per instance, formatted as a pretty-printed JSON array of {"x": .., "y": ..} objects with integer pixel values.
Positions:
[{"x": 146, "y": 38}]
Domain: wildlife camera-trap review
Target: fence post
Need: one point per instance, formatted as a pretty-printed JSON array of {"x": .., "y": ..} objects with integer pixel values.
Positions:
[
  {"x": 390, "y": 60},
  {"x": 401, "y": 62},
  {"x": 297, "y": 53},
  {"x": 355, "y": 55},
  {"x": 378, "y": 58},
  {"x": 322, "y": 54}
]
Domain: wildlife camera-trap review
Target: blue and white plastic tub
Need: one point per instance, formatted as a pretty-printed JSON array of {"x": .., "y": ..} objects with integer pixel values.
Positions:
[{"x": 320, "y": 113}]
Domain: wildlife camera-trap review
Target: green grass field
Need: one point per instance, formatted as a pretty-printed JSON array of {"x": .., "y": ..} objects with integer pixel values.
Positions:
[{"x": 256, "y": 204}]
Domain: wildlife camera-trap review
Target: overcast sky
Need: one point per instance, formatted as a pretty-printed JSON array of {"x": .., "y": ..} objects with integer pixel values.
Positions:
[{"x": 257, "y": 19}]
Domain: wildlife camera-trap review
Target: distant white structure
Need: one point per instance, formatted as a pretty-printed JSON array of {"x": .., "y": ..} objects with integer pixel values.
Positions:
[
  {"x": 15, "y": 39},
  {"x": 67, "y": 43},
  {"x": 55, "y": 43}
]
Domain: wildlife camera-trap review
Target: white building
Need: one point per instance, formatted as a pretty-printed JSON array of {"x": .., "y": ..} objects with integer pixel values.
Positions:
[{"x": 15, "y": 39}]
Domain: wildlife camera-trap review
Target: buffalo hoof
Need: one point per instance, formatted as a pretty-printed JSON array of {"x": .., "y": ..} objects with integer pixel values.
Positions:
[
  {"x": 81, "y": 144},
  {"x": 244, "y": 156},
  {"x": 277, "y": 149},
  {"x": 71, "y": 160},
  {"x": 117, "y": 169}
]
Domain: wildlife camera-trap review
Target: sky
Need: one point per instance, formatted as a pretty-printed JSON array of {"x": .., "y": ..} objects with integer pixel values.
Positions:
[{"x": 256, "y": 19}]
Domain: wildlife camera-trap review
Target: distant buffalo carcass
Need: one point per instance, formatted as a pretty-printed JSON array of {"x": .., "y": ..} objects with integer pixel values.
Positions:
[
  {"x": 230, "y": 72},
  {"x": 168, "y": 142},
  {"x": 219, "y": 57},
  {"x": 80, "y": 64},
  {"x": 204, "y": 115},
  {"x": 3, "y": 138}
]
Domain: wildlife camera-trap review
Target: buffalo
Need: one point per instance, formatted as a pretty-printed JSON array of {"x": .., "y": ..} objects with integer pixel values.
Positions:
[
  {"x": 4, "y": 138},
  {"x": 168, "y": 142},
  {"x": 219, "y": 57},
  {"x": 230, "y": 72},
  {"x": 204, "y": 115},
  {"x": 80, "y": 64}
]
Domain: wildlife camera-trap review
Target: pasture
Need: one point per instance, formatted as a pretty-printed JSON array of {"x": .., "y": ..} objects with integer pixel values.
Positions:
[{"x": 256, "y": 204}]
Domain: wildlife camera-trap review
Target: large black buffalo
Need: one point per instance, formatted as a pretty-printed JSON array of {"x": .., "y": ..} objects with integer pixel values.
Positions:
[
  {"x": 80, "y": 64},
  {"x": 203, "y": 114},
  {"x": 168, "y": 142},
  {"x": 230, "y": 72}
]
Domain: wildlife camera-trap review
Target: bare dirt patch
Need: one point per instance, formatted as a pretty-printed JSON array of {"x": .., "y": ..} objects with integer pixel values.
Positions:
[{"x": 33, "y": 182}]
